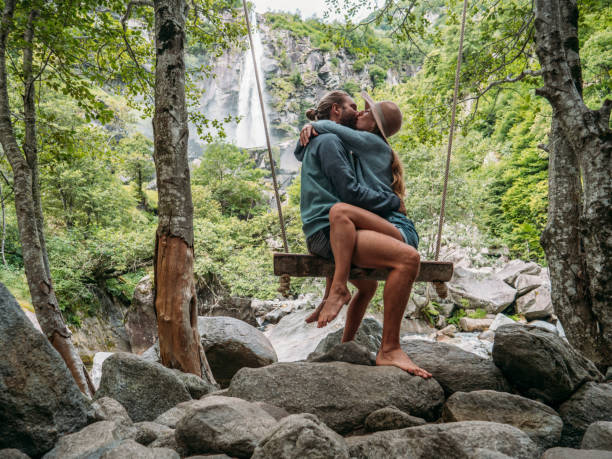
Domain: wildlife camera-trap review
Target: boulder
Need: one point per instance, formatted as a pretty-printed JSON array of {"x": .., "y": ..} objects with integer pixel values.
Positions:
[
  {"x": 92, "y": 441},
  {"x": 145, "y": 389},
  {"x": 525, "y": 283},
  {"x": 390, "y": 418},
  {"x": 231, "y": 344},
  {"x": 96, "y": 370},
  {"x": 39, "y": 400},
  {"x": 219, "y": 424},
  {"x": 12, "y": 453},
  {"x": 474, "y": 325},
  {"x": 133, "y": 450},
  {"x": 514, "y": 268},
  {"x": 369, "y": 335},
  {"x": 455, "y": 369},
  {"x": 299, "y": 436},
  {"x": 196, "y": 386},
  {"x": 537, "y": 304},
  {"x": 467, "y": 439},
  {"x": 481, "y": 290},
  {"x": 276, "y": 412},
  {"x": 340, "y": 394},
  {"x": 141, "y": 319},
  {"x": 109, "y": 409},
  {"x": 609, "y": 374},
  {"x": 598, "y": 436},
  {"x": 501, "y": 319},
  {"x": 231, "y": 306},
  {"x": 147, "y": 432},
  {"x": 540, "y": 364},
  {"x": 591, "y": 403},
  {"x": 540, "y": 422},
  {"x": 543, "y": 325},
  {"x": 571, "y": 453},
  {"x": 168, "y": 440},
  {"x": 350, "y": 352},
  {"x": 171, "y": 417}
]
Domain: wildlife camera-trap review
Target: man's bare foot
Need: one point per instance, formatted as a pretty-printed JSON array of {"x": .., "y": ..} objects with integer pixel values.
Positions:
[
  {"x": 333, "y": 305},
  {"x": 398, "y": 358},
  {"x": 315, "y": 314}
]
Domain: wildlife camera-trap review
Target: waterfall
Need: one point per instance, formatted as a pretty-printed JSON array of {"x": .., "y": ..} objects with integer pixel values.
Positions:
[{"x": 250, "y": 130}]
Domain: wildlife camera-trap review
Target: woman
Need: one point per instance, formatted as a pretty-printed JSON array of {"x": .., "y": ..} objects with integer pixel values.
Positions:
[{"x": 379, "y": 167}]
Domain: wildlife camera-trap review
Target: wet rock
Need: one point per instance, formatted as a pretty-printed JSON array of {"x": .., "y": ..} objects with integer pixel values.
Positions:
[
  {"x": 369, "y": 335},
  {"x": 300, "y": 436},
  {"x": 350, "y": 352},
  {"x": 571, "y": 453},
  {"x": 96, "y": 370},
  {"x": 390, "y": 418},
  {"x": 465, "y": 439},
  {"x": 39, "y": 400},
  {"x": 540, "y": 364},
  {"x": 598, "y": 436},
  {"x": 541, "y": 423},
  {"x": 231, "y": 344},
  {"x": 455, "y": 369},
  {"x": 340, "y": 394},
  {"x": 480, "y": 290},
  {"x": 141, "y": 320},
  {"x": 223, "y": 425},
  {"x": 591, "y": 403},
  {"x": 109, "y": 409},
  {"x": 145, "y": 389}
]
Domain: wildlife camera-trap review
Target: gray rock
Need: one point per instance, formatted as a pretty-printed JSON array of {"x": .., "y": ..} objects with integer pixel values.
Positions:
[
  {"x": 369, "y": 335},
  {"x": 541, "y": 423},
  {"x": 141, "y": 319},
  {"x": 511, "y": 271},
  {"x": 196, "y": 386},
  {"x": 501, "y": 319},
  {"x": 390, "y": 418},
  {"x": 543, "y": 325},
  {"x": 525, "y": 283},
  {"x": 168, "y": 440},
  {"x": 223, "y": 425},
  {"x": 96, "y": 369},
  {"x": 231, "y": 344},
  {"x": 452, "y": 440},
  {"x": 480, "y": 290},
  {"x": 571, "y": 453},
  {"x": 12, "y": 453},
  {"x": 350, "y": 352},
  {"x": 133, "y": 450},
  {"x": 591, "y": 403},
  {"x": 152, "y": 354},
  {"x": 340, "y": 394},
  {"x": 474, "y": 325},
  {"x": 90, "y": 442},
  {"x": 455, "y": 369},
  {"x": 300, "y": 436},
  {"x": 540, "y": 364},
  {"x": 109, "y": 409},
  {"x": 39, "y": 400},
  {"x": 598, "y": 436},
  {"x": 171, "y": 417},
  {"x": 537, "y": 304},
  {"x": 147, "y": 432},
  {"x": 609, "y": 374},
  {"x": 145, "y": 389},
  {"x": 276, "y": 412},
  {"x": 232, "y": 306}
]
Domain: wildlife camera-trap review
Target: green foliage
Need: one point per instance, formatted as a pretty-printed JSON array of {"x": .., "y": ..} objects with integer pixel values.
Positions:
[
  {"x": 478, "y": 314},
  {"x": 456, "y": 317}
]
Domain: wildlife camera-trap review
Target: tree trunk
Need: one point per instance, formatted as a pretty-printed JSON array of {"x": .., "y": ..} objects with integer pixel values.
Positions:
[
  {"x": 175, "y": 299},
  {"x": 584, "y": 145},
  {"x": 39, "y": 282}
]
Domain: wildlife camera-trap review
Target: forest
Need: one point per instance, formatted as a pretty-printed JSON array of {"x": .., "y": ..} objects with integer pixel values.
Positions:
[{"x": 110, "y": 161}]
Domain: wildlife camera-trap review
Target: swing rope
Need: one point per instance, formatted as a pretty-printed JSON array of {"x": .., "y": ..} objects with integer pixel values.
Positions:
[{"x": 284, "y": 279}]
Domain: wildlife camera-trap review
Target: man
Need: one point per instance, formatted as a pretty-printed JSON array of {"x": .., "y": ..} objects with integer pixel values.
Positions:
[{"x": 328, "y": 177}]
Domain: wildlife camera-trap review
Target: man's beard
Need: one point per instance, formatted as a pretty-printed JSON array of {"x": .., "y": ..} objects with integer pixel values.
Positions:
[{"x": 349, "y": 120}]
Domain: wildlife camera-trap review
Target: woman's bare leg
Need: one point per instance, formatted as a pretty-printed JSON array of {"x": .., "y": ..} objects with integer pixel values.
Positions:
[
  {"x": 359, "y": 304},
  {"x": 375, "y": 250},
  {"x": 344, "y": 221}
]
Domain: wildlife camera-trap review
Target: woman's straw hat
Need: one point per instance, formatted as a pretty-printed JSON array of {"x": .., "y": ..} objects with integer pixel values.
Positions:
[{"x": 387, "y": 115}]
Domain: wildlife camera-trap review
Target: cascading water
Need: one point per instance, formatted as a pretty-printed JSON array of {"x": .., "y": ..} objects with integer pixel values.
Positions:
[{"x": 250, "y": 130}]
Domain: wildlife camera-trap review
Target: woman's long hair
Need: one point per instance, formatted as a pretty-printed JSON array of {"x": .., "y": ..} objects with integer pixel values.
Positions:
[{"x": 323, "y": 110}]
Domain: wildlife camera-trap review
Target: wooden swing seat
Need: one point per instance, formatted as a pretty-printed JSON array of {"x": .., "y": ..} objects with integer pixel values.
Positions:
[{"x": 302, "y": 265}]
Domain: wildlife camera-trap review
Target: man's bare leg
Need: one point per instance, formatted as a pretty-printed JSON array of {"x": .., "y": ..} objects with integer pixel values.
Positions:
[
  {"x": 375, "y": 250},
  {"x": 357, "y": 309},
  {"x": 344, "y": 221},
  {"x": 315, "y": 314}
]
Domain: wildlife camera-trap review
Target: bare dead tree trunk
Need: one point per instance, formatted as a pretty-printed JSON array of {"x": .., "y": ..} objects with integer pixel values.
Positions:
[
  {"x": 39, "y": 282},
  {"x": 175, "y": 298},
  {"x": 581, "y": 141}
]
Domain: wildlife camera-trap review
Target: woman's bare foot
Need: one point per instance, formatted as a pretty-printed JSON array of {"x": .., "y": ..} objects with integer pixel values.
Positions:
[
  {"x": 315, "y": 314},
  {"x": 398, "y": 358},
  {"x": 336, "y": 299}
]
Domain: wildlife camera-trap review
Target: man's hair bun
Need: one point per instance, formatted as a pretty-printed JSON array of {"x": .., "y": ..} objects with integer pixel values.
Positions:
[{"x": 311, "y": 114}]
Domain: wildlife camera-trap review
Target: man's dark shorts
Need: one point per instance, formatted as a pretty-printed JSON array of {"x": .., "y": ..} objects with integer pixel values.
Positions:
[{"x": 318, "y": 243}]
